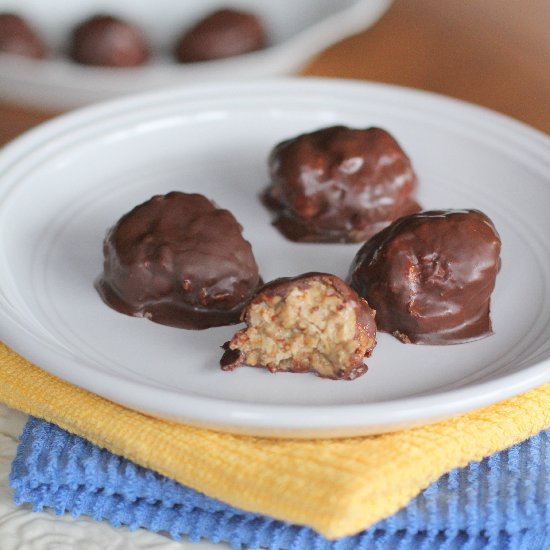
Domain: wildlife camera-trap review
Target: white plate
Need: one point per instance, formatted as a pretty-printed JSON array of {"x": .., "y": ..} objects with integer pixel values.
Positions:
[
  {"x": 65, "y": 183},
  {"x": 298, "y": 29}
]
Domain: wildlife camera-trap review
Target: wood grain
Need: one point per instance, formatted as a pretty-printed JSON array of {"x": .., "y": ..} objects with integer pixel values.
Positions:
[{"x": 495, "y": 53}]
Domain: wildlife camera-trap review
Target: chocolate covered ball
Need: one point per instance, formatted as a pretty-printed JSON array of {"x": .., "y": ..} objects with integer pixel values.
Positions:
[
  {"x": 178, "y": 260},
  {"x": 19, "y": 38},
  {"x": 430, "y": 276},
  {"x": 339, "y": 184},
  {"x": 310, "y": 323},
  {"x": 224, "y": 33},
  {"x": 109, "y": 41}
]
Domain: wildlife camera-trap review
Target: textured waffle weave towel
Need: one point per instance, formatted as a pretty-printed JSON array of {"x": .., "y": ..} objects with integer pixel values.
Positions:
[
  {"x": 338, "y": 487},
  {"x": 501, "y": 503}
]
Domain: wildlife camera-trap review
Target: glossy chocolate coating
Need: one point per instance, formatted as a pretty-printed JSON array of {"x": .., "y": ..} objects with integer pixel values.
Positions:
[
  {"x": 223, "y": 33},
  {"x": 178, "y": 260},
  {"x": 365, "y": 325},
  {"x": 339, "y": 184},
  {"x": 108, "y": 41},
  {"x": 19, "y": 38},
  {"x": 430, "y": 276}
]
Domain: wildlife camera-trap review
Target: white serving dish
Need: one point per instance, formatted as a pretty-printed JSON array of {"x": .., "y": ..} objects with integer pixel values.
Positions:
[
  {"x": 63, "y": 184},
  {"x": 298, "y": 29}
]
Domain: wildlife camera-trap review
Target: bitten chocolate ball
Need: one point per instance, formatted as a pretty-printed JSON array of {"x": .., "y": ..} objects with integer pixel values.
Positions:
[
  {"x": 19, "y": 38},
  {"x": 108, "y": 41},
  {"x": 311, "y": 323},
  {"x": 339, "y": 184},
  {"x": 223, "y": 33},
  {"x": 430, "y": 276},
  {"x": 178, "y": 260}
]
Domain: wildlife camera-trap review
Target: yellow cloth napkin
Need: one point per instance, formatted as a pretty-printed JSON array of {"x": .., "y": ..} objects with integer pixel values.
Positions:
[{"x": 338, "y": 487}]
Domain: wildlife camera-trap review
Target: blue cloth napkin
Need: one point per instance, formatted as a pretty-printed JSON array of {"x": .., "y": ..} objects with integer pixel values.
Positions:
[{"x": 502, "y": 502}]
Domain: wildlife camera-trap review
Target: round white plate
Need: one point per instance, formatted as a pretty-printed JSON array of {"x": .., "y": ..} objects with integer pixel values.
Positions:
[
  {"x": 64, "y": 184},
  {"x": 297, "y": 29}
]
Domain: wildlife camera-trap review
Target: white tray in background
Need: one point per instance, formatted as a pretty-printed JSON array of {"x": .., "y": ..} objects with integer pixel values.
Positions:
[{"x": 298, "y": 29}]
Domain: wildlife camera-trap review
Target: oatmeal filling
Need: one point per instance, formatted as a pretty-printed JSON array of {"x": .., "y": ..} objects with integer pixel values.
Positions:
[{"x": 311, "y": 328}]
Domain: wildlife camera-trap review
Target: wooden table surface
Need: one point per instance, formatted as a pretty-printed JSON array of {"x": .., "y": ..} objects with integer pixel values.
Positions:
[{"x": 495, "y": 53}]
